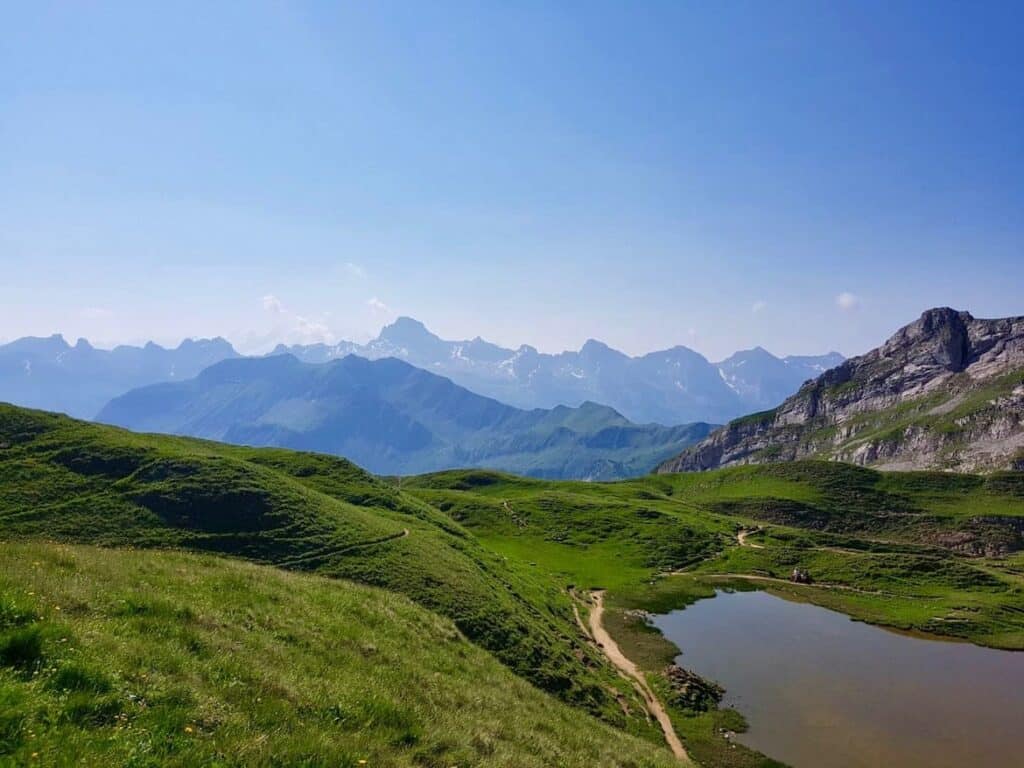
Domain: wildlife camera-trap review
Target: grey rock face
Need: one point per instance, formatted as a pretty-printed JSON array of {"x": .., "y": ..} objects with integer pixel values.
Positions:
[{"x": 945, "y": 392}]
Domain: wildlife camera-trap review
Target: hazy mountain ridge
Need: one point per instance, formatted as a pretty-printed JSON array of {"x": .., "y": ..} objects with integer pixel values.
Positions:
[
  {"x": 49, "y": 373},
  {"x": 945, "y": 392},
  {"x": 669, "y": 386},
  {"x": 394, "y": 418}
]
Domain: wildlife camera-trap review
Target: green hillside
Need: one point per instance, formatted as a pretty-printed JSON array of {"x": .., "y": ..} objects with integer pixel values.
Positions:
[
  {"x": 77, "y": 482},
  {"x": 509, "y": 561},
  {"x": 132, "y": 658},
  {"x": 931, "y": 551},
  {"x": 901, "y": 550}
]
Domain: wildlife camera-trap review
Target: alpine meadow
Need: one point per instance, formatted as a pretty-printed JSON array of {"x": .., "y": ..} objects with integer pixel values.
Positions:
[{"x": 512, "y": 385}]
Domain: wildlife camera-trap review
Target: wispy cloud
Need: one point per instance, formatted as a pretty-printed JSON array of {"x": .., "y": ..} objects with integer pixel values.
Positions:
[
  {"x": 273, "y": 304},
  {"x": 759, "y": 306},
  {"x": 354, "y": 270},
  {"x": 378, "y": 306},
  {"x": 847, "y": 301},
  {"x": 293, "y": 328}
]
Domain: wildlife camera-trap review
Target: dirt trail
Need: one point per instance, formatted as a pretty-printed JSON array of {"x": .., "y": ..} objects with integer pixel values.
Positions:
[
  {"x": 776, "y": 580},
  {"x": 334, "y": 551},
  {"x": 741, "y": 537},
  {"x": 629, "y": 669}
]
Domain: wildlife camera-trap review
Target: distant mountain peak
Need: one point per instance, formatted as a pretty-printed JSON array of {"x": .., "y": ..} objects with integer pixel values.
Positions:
[
  {"x": 680, "y": 349},
  {"x": 753, "y": 353},
  {"x": 592, "y": 348},
  {"x": 393, "y": 417},
  {"x": 79, "y": 380},
  {"x": 204, "y": 343},
  {"x": 405, "y": 327},
  {"x": 670, "y": 386}
]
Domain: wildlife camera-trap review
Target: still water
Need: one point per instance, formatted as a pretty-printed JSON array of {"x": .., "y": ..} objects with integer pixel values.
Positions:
[{"x": 822, "y": 691}]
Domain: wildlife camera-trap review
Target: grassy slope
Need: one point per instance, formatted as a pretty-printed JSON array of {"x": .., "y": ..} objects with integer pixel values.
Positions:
[
  {"x": 616, "y": 536},
  {"x": 846, "y": 525},
  {"x": 146, "y": 658},
  {"x": 494, "y": 552},
  {"x": 887, "y": 532},
  {"x": 71, "y": 481}
]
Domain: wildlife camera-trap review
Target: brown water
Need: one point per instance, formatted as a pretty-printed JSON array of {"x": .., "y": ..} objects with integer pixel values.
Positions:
[{"x": 822, "y": 691}]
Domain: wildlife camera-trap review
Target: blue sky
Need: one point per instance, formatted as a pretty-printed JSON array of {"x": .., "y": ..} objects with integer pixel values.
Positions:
[{"x": 803, "y": 176}]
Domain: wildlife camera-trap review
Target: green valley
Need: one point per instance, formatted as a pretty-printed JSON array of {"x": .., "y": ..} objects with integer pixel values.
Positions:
[{"x": 505, "y": 562}]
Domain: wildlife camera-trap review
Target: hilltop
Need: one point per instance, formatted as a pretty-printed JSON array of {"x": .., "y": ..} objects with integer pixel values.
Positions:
[
  {"x": 945, "y": 392},
  {"x": 78, "y": 482}
]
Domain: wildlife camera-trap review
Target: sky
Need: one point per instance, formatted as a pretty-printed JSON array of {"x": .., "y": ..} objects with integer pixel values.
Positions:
[{"x": 803, "y": 176}]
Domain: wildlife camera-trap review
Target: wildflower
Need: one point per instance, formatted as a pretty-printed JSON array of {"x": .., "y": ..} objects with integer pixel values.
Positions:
[
  {"x": 56, "y": 607},
  {"x": 362, "y": 762},
  {"x": 188, "y": 729}
]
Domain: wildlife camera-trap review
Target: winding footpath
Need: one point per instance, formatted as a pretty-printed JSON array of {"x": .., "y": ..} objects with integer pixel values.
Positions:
[
  {"x": 776, "y": 580},
  {"x": 741, "y": 537},
  {"x": 323, "y": 554},
  {"x": 629, "y": 669}
]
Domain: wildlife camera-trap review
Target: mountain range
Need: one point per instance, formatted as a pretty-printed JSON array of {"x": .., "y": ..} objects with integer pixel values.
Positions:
[
  {"x": 49, "y": 373},
  {"x": 944, "y": 392},
  {"x": 671, "y": 386},
  {"x": 394, "y": 418}
]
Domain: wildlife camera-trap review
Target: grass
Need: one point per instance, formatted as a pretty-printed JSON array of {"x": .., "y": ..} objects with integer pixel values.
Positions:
[
  {"x": 154, "y": 658},
  {"x": 901, "y": 534},
  {"x": 76, "y": 482},
  {"x": 888, "y": 534},
  {"x": 493, "y": 554}
]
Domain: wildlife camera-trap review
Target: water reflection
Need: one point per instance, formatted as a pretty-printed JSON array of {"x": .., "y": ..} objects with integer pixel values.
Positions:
[{"x": 822, "y": 691}]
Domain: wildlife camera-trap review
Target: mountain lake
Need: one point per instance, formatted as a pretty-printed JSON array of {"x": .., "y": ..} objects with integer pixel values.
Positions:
[{"x": 820, "y": 690}]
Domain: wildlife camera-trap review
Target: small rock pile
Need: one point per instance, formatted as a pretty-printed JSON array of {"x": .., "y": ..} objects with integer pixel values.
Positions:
[{"x": 691, "y": 691}]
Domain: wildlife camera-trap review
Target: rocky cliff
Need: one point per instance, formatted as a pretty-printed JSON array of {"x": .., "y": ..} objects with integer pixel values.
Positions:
[{"x": 945, "y": 392}]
